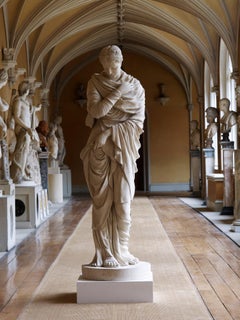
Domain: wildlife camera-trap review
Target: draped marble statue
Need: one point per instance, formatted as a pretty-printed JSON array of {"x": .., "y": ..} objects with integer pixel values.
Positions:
[
  {"x": 4, "y": 160},
  {"x": 61, "y": 141},
  {"x": 212, "y": 127},
  {"x": 52, "y": 145},
  {"x": 116, "y": 109},
  {"x": 25, "y": 166}
]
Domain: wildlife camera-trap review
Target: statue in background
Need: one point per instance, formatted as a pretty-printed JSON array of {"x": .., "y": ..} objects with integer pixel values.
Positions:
[
  {"x": 116, "y": 110},
  {"x": 228, "y": 120},
  {"x": 212, "y": 128},
  {"x": 43, "y": 130},
  {"x": 23, "y": 168},
  {"x": 61, "y": 141},
  {"x": 11, "y": 136},
  {"x": 52, "y": 145},
  {"x": 194, "y": 135},
  {"x": 4, "y": 161}
]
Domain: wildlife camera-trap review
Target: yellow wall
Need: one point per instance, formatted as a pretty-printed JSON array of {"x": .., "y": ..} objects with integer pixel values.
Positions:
[{"x": 168, "y": 126}]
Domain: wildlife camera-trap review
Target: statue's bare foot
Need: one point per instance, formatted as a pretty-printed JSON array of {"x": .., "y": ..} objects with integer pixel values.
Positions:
[
  {"x": 131, "y": 260},
  {"x": 110, "y": 262}
]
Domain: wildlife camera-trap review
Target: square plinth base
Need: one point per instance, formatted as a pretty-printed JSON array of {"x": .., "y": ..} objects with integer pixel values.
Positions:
[{"x": 90, "y": 291}]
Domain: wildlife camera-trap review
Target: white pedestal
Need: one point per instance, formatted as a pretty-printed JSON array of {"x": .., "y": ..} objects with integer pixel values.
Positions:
[
  {"x": 7, "y": 187},
  {"x": 67, "y": 182},
  {"x": 236, "y": 223},
  {"x": 7, "y": 223},
  {"x": 195, "y": 170},
  {"x": 209, "y": 166},
  {"x": 55, "y": 188},
  {"x": 27, "y": 205},
  {"x": 132, "y": 284},
  {"x": 43, "y": 204},
  {"x": 215, "y": 191}
]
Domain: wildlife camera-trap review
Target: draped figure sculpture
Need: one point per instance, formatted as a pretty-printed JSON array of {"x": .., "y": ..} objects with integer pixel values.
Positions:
[
  {"x": 61, "y": 141},
  {"x": 22, "y": 166},
  {"x": 52, "y": 145},
  {"x": 116, "y": 111},
  {"x": 4, "y": 160}
]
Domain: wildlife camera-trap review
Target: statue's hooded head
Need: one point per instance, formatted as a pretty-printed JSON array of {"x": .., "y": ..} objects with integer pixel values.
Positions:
[{"x": 109, "y": 53}]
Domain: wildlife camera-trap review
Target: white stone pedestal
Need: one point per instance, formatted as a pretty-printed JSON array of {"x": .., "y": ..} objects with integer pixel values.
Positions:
[
  {"x": 55, "y": 187},
  {"x": 27, "y": 205},
  {"x": 131, "y": 284},
  {"x": 236, "y": 224},
  {"x": 7, "y": 187},
  {"x": 195, "y": 171},
  {"x": 228, "y": 196},
  {"x": 67, "y": 182},
  {"x": 215, "y": 191},
  {"x": 7, "y": 223},
  {"x": 209, "y": 166},
  {"x": 43, "y": 204}
]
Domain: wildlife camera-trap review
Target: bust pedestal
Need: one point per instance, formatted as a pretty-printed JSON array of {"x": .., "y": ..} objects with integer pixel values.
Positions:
[
  {"x": 215, "y": 191},
  {"x": 236, "y": 224},
  {"x": 130, "y": 284},
  {"x": 195, "y": 171},
  {"x": 7, "y": 222},
  {"x": 228, "y": 200},
  {"x": 209, "y": 166}
]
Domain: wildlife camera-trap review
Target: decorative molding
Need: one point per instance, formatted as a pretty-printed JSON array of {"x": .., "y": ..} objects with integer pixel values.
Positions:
[{"x": 120, "y": 21}]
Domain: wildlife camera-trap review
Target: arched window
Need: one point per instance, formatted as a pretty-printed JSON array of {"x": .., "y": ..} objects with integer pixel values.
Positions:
[
  {"x": 227, "y": 84},
  {"x": 210, "y": 100}
]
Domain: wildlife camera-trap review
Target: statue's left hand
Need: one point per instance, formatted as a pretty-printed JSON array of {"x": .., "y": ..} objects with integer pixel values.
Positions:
[{"x": 101, "y": 139}]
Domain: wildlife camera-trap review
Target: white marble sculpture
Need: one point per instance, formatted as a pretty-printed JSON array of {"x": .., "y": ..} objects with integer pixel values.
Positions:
[
  {"x": 228, "y": 120},
  {"x": 116, "y": 109},
  {"x": 52, "y": 145},
  {"x": 194, "y": 135},
  {"x": 4, "y": 161},
  {"x": 61, "y": 141},
  {"x": 25, "y": 166},
  {"x": 212, "y": 128}
]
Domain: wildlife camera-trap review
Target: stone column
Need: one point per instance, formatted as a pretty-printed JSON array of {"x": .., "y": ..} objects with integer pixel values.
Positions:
[
  {"x": 228, "y": 191},
  {"x": 236, "y": 224}
]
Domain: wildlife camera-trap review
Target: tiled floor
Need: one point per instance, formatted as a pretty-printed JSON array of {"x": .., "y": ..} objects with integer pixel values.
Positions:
[{"x": 222, "y": 222}]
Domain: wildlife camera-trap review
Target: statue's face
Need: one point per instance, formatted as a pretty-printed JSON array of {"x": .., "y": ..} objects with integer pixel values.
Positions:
[
  {"x": 223, "y": 105},
  {"x": 112, "y": 61},
  {"x": 210, "y": 118},
  {"x": 111, "y": 57}
]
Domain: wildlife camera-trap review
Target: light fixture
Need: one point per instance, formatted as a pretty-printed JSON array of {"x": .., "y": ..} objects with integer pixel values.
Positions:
[
  {"x": 163, "y": 99},
  {"x": 80, "y": 95}
]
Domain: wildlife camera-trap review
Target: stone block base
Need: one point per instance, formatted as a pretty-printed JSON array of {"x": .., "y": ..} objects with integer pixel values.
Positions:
[
  {"x": 7, "y": 223},
  {"x": 27, "y": 205},
  {"x": 215, "y": 192},
  {"x": 139, "y": 289}
]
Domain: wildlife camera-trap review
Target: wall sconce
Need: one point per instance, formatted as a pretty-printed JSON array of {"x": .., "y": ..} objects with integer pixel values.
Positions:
[
  {"x": 163, "y": 99},
  {"x": 80, "y": 95}
]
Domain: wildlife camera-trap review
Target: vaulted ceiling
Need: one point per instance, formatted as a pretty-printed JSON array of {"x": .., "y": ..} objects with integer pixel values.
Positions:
[{"x": 180, "y": 35}]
